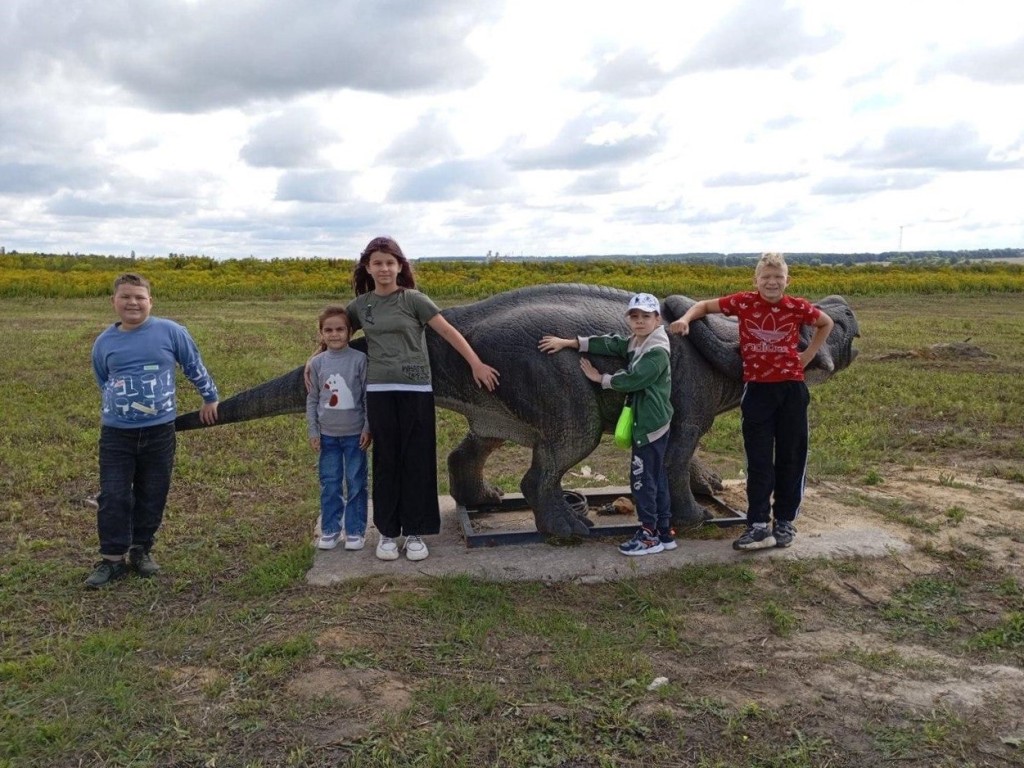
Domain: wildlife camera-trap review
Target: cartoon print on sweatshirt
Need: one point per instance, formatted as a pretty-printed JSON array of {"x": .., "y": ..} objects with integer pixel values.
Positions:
[{"x": 341, "y": 396}]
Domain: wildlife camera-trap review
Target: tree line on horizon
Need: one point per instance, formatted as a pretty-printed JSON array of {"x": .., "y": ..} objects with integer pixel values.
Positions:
[
  {"x": 200, "y": 277},
  {"x": 695, "y": 257}
]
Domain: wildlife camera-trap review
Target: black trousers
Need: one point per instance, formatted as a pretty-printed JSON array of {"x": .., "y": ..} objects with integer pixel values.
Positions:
[
  {"x": 775, "y": 437},
  {"x": 135, "y": 477},
  {"x": 404, "y": 463}
]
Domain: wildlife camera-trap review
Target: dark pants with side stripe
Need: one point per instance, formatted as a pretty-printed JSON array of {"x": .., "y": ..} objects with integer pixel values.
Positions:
[
  {"x": 649, "y": 481},
  {"x": 775, "y": 437},
  {"x": 404, "y": 463}
]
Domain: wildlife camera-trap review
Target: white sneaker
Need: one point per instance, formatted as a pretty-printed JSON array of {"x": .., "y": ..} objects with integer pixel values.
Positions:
[
  {"x": 354, "y": 541},
  {"x": 416, "y": 548},
  {"x": 387, "y": 548},
  {"x": 328, "y": 541}
]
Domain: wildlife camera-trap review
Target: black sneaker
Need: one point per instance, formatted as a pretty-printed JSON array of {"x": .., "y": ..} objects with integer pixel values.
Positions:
[
  {"x": 784, "y": 533},
  {"x": 667, "y": 538},
  {"x": 754, "y": 538},
  {"x": 105, "y": 572},
  {"x": 142, "y": 562}
]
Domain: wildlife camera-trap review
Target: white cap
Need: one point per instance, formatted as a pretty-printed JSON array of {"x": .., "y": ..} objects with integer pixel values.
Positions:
[{"x": 645, "y": 303}]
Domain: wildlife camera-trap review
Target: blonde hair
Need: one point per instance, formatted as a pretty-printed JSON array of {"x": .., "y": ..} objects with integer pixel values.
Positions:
[{"x": 771, "y": 260}]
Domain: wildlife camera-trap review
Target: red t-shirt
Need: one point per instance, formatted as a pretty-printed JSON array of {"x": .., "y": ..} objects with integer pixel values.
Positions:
[{"x": 769, "y": 334}]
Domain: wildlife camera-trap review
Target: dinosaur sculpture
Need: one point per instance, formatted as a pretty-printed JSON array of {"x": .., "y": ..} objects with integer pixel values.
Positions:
[{"x": 545, "y": 402}]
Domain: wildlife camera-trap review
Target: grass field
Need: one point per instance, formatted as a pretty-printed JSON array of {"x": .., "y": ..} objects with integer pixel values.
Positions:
[{"x": 206, "y": 665}]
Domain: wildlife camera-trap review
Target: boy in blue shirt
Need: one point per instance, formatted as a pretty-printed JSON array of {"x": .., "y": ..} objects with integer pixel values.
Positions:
[{"x": 134, "y": 361}]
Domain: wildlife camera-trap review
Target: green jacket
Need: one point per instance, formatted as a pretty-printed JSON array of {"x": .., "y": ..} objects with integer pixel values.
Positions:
[{"x": 647, "y": 376}]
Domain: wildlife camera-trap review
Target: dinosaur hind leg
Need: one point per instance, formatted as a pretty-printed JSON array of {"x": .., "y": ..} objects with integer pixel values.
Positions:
[
  {"x": 466, "y": 471},
  {"x": 542, "y": 487}
]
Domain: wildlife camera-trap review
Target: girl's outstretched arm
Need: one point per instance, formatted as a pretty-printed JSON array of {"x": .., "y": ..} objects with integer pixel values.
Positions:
[{"x": 483, "y": 374}]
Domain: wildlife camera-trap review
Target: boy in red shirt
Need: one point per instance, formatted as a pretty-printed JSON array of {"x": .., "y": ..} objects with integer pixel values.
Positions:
[{"x": 775, "y": 397}]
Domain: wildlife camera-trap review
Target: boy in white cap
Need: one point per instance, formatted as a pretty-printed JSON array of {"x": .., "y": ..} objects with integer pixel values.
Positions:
[{"x": 647, "y": 380}]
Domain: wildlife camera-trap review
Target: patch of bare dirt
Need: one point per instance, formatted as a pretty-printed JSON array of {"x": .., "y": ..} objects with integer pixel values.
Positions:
[
  {"x": 845, "y": 660},
  {"x": 957, "y": 350},
  {"x": 954, "y": 509},
  {"x": 358, "y": 698}
]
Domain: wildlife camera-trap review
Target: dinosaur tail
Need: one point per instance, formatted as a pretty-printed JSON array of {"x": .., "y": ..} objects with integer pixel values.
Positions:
[{"x": 285, "y": 394}]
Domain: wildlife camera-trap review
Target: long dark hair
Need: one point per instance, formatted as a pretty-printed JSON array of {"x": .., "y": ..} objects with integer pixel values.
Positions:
[{"x": 361, "y": 280}]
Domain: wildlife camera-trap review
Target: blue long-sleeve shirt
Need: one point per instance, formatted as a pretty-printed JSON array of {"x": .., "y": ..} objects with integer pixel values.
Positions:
[{"x": 135, "y": 372}]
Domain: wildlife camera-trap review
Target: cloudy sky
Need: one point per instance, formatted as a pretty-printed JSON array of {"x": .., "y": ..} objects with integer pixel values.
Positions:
[{"x": 299, "y": 128}]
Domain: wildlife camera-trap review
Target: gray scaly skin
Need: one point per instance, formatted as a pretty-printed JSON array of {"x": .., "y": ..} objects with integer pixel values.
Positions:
[{"x": 545, "y": 402}]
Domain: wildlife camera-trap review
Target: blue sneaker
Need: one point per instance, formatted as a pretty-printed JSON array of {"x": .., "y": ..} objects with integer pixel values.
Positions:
[{"x": 644, "y": 542}]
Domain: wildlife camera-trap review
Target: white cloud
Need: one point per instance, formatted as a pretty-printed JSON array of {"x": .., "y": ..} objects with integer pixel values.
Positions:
[
  {"x": 757, "y": 34},
  {"x": 430, "y": 140},
  {"x": 580, "y": 145},
  {"x": 451, "y": 180},
  {"x": 953, "y": 148},
  {"x": 306, "y": 127},
  {"x": 315, "y": 186},
  {"x": 290, "y": 140}
]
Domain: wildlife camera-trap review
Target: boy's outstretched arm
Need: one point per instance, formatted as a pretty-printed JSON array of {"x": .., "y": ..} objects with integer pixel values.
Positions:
[
  {"x": 552, "y": 344},
  {"x": 590, "y": 371},
  {"x": 822, "y": 328},
  {"x": 696, "y": 312}
]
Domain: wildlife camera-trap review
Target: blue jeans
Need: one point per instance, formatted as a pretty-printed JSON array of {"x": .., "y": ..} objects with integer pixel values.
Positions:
[
  {"x": 341, "y": 459},
  {"x": 135, "y": 476}
]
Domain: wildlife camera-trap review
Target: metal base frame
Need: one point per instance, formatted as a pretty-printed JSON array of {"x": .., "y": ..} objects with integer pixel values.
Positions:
[{"x": 514, "y": 502}]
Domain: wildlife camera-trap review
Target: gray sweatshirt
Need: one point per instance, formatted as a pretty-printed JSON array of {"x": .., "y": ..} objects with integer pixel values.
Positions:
[{"x": 336, "y": 405}]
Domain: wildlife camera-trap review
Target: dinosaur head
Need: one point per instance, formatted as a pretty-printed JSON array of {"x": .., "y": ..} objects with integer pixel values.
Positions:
[{"x": 837, "y": 352}]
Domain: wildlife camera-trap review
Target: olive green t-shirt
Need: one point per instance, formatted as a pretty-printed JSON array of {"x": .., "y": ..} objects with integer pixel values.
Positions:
[{"x": 396, "y": 342}]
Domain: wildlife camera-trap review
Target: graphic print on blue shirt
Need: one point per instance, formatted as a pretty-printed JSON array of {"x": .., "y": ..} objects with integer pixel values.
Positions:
[{"x": 153, "y": 394}]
